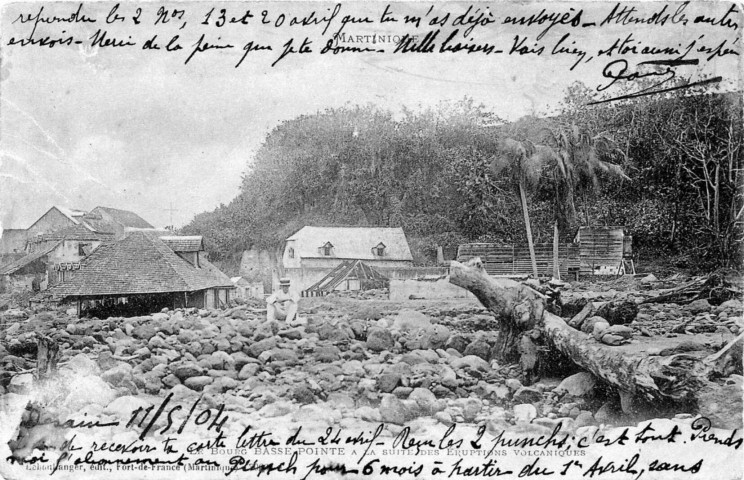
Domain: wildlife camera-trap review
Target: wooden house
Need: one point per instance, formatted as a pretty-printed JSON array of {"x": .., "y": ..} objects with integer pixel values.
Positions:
[{"x": 142, "y": 274}]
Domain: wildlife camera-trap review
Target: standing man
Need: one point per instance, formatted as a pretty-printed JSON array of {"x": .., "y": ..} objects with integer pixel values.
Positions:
[{"x": 282, "y": 305}]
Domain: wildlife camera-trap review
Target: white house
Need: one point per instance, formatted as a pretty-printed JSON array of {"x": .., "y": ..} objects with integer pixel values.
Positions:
[{"x": 312, "y": 252}]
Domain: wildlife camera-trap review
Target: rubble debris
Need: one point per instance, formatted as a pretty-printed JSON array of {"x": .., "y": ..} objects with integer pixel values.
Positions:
[{"x": 357, "y": 361}]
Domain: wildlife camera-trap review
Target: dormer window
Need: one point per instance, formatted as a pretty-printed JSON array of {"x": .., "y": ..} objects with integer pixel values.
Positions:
[
  {"x": 379, "y": 250},
  {"x": 327, "y": 249}
]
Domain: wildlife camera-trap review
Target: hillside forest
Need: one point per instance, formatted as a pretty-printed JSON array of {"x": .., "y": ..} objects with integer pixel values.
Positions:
[{"x": 668, "y": 168}]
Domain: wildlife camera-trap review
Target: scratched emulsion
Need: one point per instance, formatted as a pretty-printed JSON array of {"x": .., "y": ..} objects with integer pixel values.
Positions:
[{"x": 145, "y": 106}]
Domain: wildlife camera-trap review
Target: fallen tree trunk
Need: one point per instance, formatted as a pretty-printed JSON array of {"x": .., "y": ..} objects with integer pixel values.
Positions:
[
  {"x": 715, "y": 288},
  {"x": 521, "y": 315},
  {"x": 518, "y": 308},
  {"x": 635, "y": 373}
]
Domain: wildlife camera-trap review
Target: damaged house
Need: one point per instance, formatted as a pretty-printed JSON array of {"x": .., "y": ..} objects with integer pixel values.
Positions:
[
  {"x": 313, "y": 253},
  {"x": 101, "y": 220},
  {"x": 49, "y": 257},
  {"x": 143, "y": 274},
  {"x": 41, "y": 255}
]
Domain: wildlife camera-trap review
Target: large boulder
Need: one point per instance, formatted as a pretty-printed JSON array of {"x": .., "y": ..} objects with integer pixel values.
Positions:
[
  {"x": 379, "y": 339},
  {"x": 327, "y": 354},
  {"x": 249, "y": 370},
  {"x": 480, "y": 348},
  {"x": 527, "y": 395},
  {"x": 588, "y": 325},
  {"x": 284, "y": 355},
  {"x": 392, "y": 410},
  {"x": 577, "y": 385},
  {"x": 435, "y": 337},
  {"x": 471, "y": 362},
  {"x": 388, "y": 381},
  {"x": 426, "y": 402},
  {"x": 698, "y": 306},
  {"x": 457, "y": 342},
  {"x": 145, "y": 331},
  {"x": 220, "y": 360},
  {"x": 620, "y": 312},
  {"x": 266, "y": 330},
  {"x": 410, "y": 320},
  {"x": 256, "y": 349},
  {"x": 187, "y": 370},
  {"x": 198, "y": 383},
  {"x": 335, "y": 333}
]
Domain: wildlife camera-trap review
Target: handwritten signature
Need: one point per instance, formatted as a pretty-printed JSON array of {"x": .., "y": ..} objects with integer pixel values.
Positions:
[{"x": 619, "y": 71}]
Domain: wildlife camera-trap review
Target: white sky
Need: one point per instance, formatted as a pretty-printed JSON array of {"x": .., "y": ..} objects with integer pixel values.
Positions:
[{"x": 141, "y": 130}]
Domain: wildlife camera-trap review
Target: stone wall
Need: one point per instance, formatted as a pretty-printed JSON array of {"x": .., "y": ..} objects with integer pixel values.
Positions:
[{"x": 401, "y": 290}]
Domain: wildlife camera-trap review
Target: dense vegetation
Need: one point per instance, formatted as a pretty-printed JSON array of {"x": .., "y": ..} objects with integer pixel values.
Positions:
[{"x": 668, "y": 168}]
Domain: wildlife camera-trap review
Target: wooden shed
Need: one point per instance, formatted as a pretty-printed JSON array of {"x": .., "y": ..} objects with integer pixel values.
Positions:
[{"x": 602, "y": 250}]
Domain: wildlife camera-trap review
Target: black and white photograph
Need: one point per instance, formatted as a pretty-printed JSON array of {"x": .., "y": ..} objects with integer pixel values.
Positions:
[{"x": 386, "y": 240}]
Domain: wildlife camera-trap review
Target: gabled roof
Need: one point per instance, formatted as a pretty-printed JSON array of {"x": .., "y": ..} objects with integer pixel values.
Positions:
[
  {"x": 123, "y": 217},
  {"x": 30, "y": 258},
  {"x": 139, "y": 264},
  {"x": 184, "y": 243},
  {"x": 352, "y": 242},
  {"x": 73, "y": 232},
  {"x": 72, "y": 214}
]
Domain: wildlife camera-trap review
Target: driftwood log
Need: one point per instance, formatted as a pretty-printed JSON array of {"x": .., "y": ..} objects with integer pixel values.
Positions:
[
  {"x": 715, "y": 287},
  {"x": 632, "y": 370},
  {"x": 518, "y": 308},
  {"x": 47, "y": 356},
  {"x": 629, "y": 368}
]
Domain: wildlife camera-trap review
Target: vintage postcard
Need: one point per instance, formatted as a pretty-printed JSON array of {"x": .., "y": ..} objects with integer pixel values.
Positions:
[{"x": 305, "y": 240}]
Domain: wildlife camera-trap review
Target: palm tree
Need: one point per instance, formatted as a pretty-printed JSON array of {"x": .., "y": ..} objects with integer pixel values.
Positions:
[
  {"x": 520, "y": 161},
  {"x": 568, "y": 153},
  {"x": 576, "y": 160}
]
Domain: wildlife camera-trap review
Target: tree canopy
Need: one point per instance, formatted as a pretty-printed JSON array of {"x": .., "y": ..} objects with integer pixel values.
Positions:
[{"x": 665, "y": 167}]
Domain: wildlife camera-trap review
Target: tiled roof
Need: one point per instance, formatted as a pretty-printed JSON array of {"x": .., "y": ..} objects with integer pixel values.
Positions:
[
  {"x": 184, "y": 243},
  {"x": 8, "y": 258},
  {"x": 30, "y": 258},
  {"x": 124, "y": 217},
  {"x": 352, "y": 242},
  {"x": 138, "y": 264},
  {"x": 73, "y": 232}
]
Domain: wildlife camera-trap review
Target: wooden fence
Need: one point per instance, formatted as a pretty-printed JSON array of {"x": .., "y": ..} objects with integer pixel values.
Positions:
[{"x": 515, "y": 259}]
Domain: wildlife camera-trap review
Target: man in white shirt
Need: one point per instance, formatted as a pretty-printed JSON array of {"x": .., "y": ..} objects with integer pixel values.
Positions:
[{"x": 282, "y": 305}]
